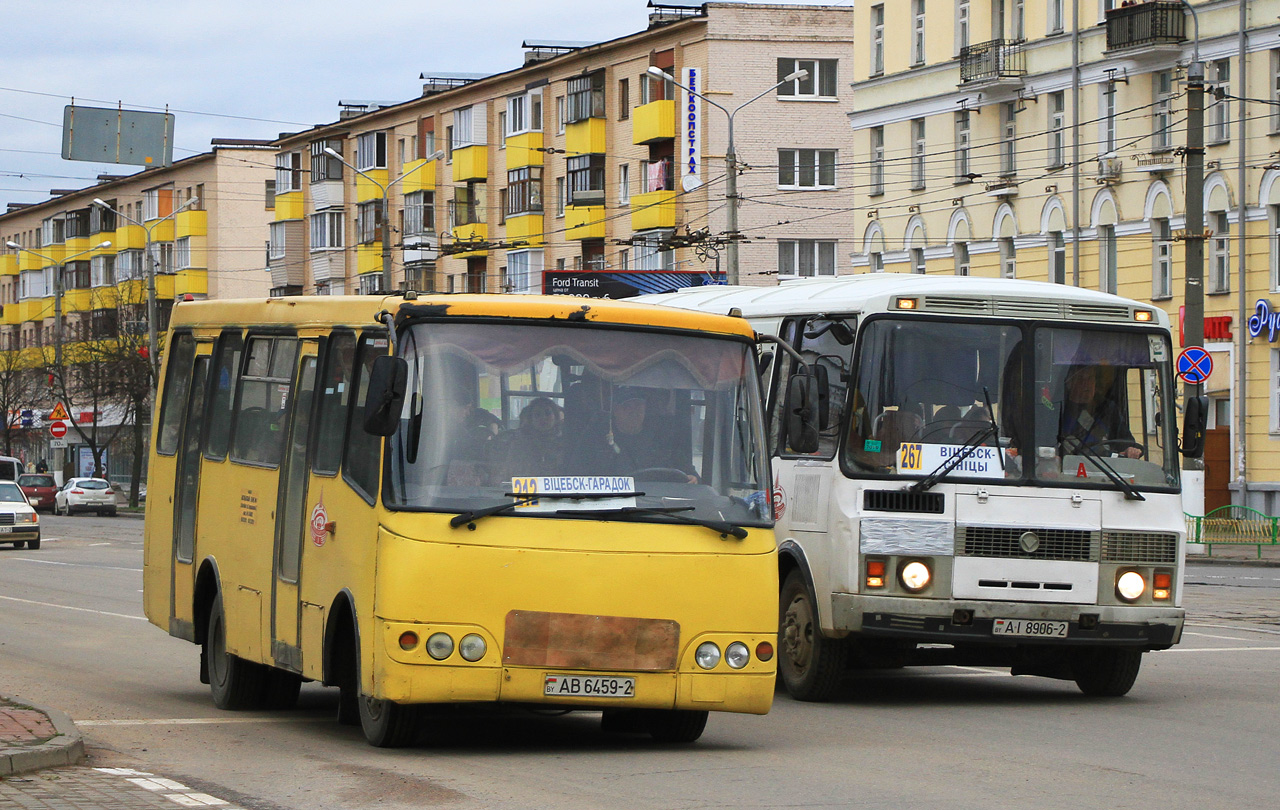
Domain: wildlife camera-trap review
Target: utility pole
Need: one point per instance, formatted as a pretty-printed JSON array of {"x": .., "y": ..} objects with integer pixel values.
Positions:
[{"x": 1193, "y": 297}]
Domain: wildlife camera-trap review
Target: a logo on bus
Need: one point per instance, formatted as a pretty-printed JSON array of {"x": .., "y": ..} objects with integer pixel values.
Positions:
[
  {"x": 779, "y": 500},
  {"x": 319, "y": 523}
]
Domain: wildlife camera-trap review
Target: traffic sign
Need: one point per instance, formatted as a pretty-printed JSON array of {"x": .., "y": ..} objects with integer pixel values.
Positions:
[
  {"x": 58, "y": 429},
  {"x": 1194, "y": 365},
  {"x": 59, "y": 412}
]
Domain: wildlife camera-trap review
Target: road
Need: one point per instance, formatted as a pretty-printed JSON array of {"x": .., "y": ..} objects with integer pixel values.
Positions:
[{"x": 1198, "y": 730}]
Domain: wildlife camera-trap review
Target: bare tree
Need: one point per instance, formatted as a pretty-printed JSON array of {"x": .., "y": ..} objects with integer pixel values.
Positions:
[{"x": 20, "y": 389}]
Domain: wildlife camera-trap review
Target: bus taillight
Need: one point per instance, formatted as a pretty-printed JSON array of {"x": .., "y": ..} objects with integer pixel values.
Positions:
[
  {"x": 1162, "y": 585},
  {"x": 875, "y": 573}
]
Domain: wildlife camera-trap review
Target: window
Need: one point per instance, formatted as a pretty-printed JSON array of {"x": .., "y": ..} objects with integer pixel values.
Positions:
[
  {"x": 654, "y": 89},
  {"x": 102, "y": 219},
  {"x": 462, "y": 129},
  {"x": 371, "y": 151},
  {"x": 524, "y": 272},
  {"x": 369, "y": 284},
  {"x": 963, "y": 170},
  {"x": 419, "y": 212},
  {"x": 1056, "y": 25},
  {"x": 584, "y": 98},
  {"x": 877, "y": 160},
  {"x": 524, "y": 191},
  {"x": 917, "y": 261},
  {"x": 1008, "y": 139},
  {"x": 1107, "y": 258},
  {"x": 1273, "y": 211},
  {"x": 917, "y": 32},
  {"x": 1161, "y": 259},
  {"x": 560, "y": 197},
  {"x": 218, "y": 407},
  {"x": 263, "y": 407},
  {"x": 1057, "y": 258},
  {"x": 1018, "y": 13},
  {"x": 624, "y": 99},
  {"x": 335, "y": 394},
  {"x": 326, "y": 230},
  {"x": 323, "y": 165},
  {"x": 1057, "y": 129},
  {"x": 1107, "y": 116},
  {"x": 918, "y": 150},
  {"x": 586, "y": 179},
  {"x": 129, "y": 262},
  {"x": 103, "y": 271},
  {"x": 182, "y": 252},
  {"x": 75, "y": 275},
  {"x": 288, "y": 175},
  {"x": 524, "y": 113},
  {"x": 468, "y": 205},
  {"x": 1220, "y": 253},
  {"x": 369, "y": 222},
  {"x": 1275, "y": 91},
  {"x": 653, "y": 253},
  {"x": 1162, "y": 110},
  {"x": 806, "y": 257},
  {"x": 158, "y": 202},
  {"x": 269, "y": 195},
  {"x": 560, "y": 114},
  {"x": 1219, "y": 113},
  {"x": 624, "y": 184},
  {"x": 820, "y": 83},
  {"x": 807, "y": 168},
  {"x": 77, "y": 223},
  {"x": 960, "y": 251},
  {"x": 1008, "y": 258},
  {"x": 877, "y": 41},
  {"x": 177, "y": 385},
  {"x": 962, "y": 25}
]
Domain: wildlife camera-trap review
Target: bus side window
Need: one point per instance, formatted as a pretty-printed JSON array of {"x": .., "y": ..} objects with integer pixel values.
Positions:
[
  {"x": 219, "y": 407},
  {"x": 335, "y": 394},
  {"x": 784, "y": 364},
  {"x": 361, "y": 454},
  {"x": 828, "y": 342},
  {"x": 177, "y": 385},
  {"x": 264, "y": 394}
]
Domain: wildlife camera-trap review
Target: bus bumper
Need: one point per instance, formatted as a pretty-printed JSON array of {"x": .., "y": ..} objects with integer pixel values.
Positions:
[{"x": 949, "y": 621}]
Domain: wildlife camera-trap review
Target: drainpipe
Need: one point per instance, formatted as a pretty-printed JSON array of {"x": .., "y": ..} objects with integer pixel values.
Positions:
[{"x": 1241, "y": 366}]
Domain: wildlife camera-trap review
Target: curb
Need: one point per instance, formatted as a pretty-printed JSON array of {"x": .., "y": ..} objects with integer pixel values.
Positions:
[{"x": 67, "y": 748}]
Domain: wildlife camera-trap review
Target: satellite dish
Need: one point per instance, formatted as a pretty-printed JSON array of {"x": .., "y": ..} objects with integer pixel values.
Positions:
[{"x": 690, "y": 182}]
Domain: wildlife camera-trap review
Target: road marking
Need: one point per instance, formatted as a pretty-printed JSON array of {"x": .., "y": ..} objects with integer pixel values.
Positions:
[
  {"x": 1209, "y": 635},
  {"x": 979, "y": 672},
  {"x": 1221, "y": 649},
  {"x": 149, "y": 781},
  {"x": 77, "y": 565},
  {"x": 69, "y": 607},
  {"x": 1236, "y": 628},
  {"x": 201, "y": 721}
]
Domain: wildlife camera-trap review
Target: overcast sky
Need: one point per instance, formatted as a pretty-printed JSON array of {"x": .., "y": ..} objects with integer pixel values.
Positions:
[{"x": 248, "y": 68}]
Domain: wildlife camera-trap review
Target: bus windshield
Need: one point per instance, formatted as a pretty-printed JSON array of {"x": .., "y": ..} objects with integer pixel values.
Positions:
[
  {"x": 1037, "y": 403},
  {"x": 490, "y": 405}
]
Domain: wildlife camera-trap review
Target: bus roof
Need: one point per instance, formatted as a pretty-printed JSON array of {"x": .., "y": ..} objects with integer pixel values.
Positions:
[
  {"x": 358, "y": 310},
  {"x": 952, "y": 295}
]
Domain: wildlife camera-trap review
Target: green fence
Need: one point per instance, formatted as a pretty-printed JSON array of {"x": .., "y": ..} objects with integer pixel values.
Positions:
[{"x": 1234, "y": 525}]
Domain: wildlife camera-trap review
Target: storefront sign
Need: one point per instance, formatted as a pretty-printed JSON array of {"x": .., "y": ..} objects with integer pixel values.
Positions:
[
  {"x": 1216, "y": 327},
  {"x": 1264, "y": 318},
  {"x": 691, "y": 127}
]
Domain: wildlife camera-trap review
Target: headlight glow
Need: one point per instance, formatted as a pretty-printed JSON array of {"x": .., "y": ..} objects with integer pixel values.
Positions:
[
  {"x": 472, "y": 647},
  {"x": 1130, "y": 586},
  {"x": 707, "y": 655},
  {"x": 27, "y": 518},
  {"x": 440, "y": 646},
  {"x": 915, "y": 576},
  {"x": 737, "y": 655}
]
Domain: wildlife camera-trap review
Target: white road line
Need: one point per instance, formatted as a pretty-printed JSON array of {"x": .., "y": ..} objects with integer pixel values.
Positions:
[
  {"x": 69, "y": 607},
  {"x": 148, "y": 781},
  {"x": 201, "y": 721},
  {"x": 77, "y": 565},
  {"x": 1236, "y": 628},
  {"x": 1221, "y": 649},
  {"x": 1209, "y": 635}
]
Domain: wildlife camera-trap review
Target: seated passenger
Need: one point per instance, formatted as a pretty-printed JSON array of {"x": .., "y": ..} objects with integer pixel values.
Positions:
[
  {"x": 638, "y": 447},
  {"x": 1093, "y": 418},
  {"x": 534, "y": 448}
]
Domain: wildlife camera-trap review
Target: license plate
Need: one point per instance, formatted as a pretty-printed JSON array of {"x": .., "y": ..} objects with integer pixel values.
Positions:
[
  {"x": 6, "y": 529},
  {"x": 1029, "y": 627},
  {"x": 588, "y": 686}
]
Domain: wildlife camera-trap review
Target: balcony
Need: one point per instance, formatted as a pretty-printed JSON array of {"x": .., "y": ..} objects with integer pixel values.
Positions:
[
  {"x": 369, "y": 258},
  {"x": 525, "y": 228},
  {"x": 9, "y": 264},
  {"x": 288, "y": 206},
  {"x": 1000, "y": 61},
  {"x": 655, "y": 209},
  {"x": 191, "y": 223},
  {"x": 470, "y": 163},
  {"x": 419, "y": 175},
  {"x": 653, "y": 122},
  {"x": 524, "y": 150},
  {"x": 129, "y": 237},
  {"x": 586, "y": 137},
  {"x": 1157, "y": 162},
  {"x": 366, "y": 188},
  {"x": 1153, "y": 26},
  {"x": 192, "y": 281},
  {"x": 584, "y": 222},
  {"x": 477, "y": 232}
]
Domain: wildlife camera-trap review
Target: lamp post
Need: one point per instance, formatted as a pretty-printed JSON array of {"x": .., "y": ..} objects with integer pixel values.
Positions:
[
  {"x": 153, "y": 347},
  {"x": 730, "y": 160},
  {"x": 57, "y": 290},
  {"x": 386, "y": 206}
]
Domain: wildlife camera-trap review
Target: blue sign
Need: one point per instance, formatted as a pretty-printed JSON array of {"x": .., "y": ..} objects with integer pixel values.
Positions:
[
  {"x": 1264, "y": 318},
  {"x": 1194, "y": 365}
]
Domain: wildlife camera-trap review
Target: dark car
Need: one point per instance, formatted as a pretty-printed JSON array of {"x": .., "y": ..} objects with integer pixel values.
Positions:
[{"x": 39, "y": 488}]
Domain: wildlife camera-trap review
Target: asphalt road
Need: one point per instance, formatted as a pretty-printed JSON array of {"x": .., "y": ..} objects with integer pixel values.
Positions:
[{"x": 1198, "y": 730}]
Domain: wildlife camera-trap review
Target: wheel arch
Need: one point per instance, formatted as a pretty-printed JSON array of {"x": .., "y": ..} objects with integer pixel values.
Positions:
[
  {"x": 208, "y": 586},
  {"x": 341, "y": 636}
]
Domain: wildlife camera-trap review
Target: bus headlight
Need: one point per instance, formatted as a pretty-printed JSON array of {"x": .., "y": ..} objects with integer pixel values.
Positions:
[
  {"x": 915, "y": 576},
  {"x": 440, "y": 646},
  {"x": 472, "y": 647},
  {"x": 737, "y": 655},
  {"x": 1130, "y": 585},
  {"x": 707, "y": 655}
]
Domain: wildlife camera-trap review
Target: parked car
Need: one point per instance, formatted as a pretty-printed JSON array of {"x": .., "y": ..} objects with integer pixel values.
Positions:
[
  {"x": 85, "y": 495},
  {"x": 19, "y": 523},
  {"x": 39, "y": 488}
]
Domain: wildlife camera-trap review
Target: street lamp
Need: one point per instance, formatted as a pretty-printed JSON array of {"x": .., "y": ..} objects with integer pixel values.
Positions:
[
  {"x": 153, "y": 347},
  {"x": 57, "y": 290},
  {"x": 386, "y": 206},
  {"x": 730, "y": 160}
]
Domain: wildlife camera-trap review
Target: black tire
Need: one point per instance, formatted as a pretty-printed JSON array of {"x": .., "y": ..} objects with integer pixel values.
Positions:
[
  {"x": 809, "y": 664},
  {"x": 19, "y": 543},
  {"x": 280, "y": 689},
  {"x": 111, "y": 513},
  {"x": 675, "y": 725},
  {"x": 33, "y": 544},
  {"x": 1103, "y": 672},
  {"x": 387, "y": 724},
  {"x": 234, "y": 682}
]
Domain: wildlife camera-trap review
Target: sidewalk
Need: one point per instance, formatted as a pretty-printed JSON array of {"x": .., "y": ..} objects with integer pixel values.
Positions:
[
  {"x": 34, "y": 737},
  {"x": 1237, "y": 555}
]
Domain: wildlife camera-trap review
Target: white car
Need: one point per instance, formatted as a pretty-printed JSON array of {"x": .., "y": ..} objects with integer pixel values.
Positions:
[
  {"x": 19, "y": 523},
  {"x": 85, "y": 495}
]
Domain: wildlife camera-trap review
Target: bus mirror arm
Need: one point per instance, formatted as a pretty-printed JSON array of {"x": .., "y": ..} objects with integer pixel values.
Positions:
[
  {"x": 781, "y": 344},
  {"x": 384, "y": 398}
]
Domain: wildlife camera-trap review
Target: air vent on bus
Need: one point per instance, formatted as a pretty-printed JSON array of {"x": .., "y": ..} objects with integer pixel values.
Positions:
[
  {"x": 1028, "y": 309},
  {"x": 958, "y": 305},
  {"x": 1099, "y": 312},
  {"x": 1140, "y": 547},
  {"x": 901, "y": 500},
  {"x": 1048, "y": 544}
]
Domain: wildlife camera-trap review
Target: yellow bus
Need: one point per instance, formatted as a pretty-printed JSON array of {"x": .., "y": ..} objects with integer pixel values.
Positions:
[{"x": 465, "y": 499}]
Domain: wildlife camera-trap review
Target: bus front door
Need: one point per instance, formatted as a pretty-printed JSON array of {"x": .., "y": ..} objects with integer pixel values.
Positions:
[{"x": 186, "y": 499}]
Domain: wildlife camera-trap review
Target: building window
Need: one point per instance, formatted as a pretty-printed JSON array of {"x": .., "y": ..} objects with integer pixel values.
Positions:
[
  {"x": 917, "y": 261},
  {"x": 654, "y": 89},
  {"x": 877, "y": 160},
  {"x": 103, "y": 270},
  {"x": 918, "y": 150},
  {"x": 1220, "y": 253},
  {"x": 1107, "y": 117},
  {"x": 182, "y": 252},
  {"x": 560, "y": 114},
  {"x": 653, "y": 252},
  {"x": 1008, "y": 258},
  {"x": 624, "y": 99},
  {"x": 586, "y": 179},
  {"x": 962, "y": 25},
  {"x": 1107, "y": 256},
  {"x": 806, "y": 257},
  {"x": 323, "y": 165},
  {"x": 1056, "y": 25},
  {"x": 288, "y": 173},
  {"x": 419, "y": 212},
  {"x": 524, "y": 272},
  {"x": 524, "y": 113},
  {"x": 820, "y": 83},
  {"x": 1008, "y": 139},
  {"x": 917, "y": 32},
  {"x": 1057, "y": 129},
  {"x": 624, "y": 184},
  {"x": 1161, "y": 259},
  {"x": 1273, "y": 212},
  {"x": 963, "y": 170},
  {"x": 1275, "y": 391},
  {"x": 369, "y": 284},
  {"x": 806, "y": 168},
  {"x": 656, "y": 175},
  {"x": 468, "y": 205},
  {"x": 524, "y": 190},
  {"x": 275, "y": 248},
  {"x": 560, "y": 196},
  {"x": 585, "y": 98},
  {"x": 460, "y": 136},
  {"x": 1219, "y": 113},
  {"x": 1057, "y": 258},
  {"x": 877, "y": 40},
  {"x": 162, "y": 257},
  {"x": 369, "y": 222},
  {"x": 960, "y": 252},
  {"x": 371, "y": 151},
  {"x": 875, "y": 262},
  {"x": 1275, "y": 90},
  {"x": 1162, "y": 110},
  {"x": 1018, "y": 14},
  {"x": 326, "y": 230}
]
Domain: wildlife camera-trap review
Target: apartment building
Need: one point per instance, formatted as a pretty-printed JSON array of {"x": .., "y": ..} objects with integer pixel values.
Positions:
[
  {"x": 981, "y": 150},
  {"x": 581, "y": 172}
]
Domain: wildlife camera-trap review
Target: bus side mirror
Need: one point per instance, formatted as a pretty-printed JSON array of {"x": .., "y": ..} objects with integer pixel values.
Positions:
[
  {"x": 384, "y": 397},
  {"x": 1194, "y": 421},
  {"x": 802, "y": 412}
]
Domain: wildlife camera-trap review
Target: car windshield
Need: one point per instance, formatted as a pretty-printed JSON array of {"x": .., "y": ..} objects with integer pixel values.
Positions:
[
  {"x": 10, "y": 493},
  {"x": 91, "y": 483},
  {"x": 36, "y": 481},
  {"x": 492, "y": 407},
  {"x": 1054, "y": 405}
]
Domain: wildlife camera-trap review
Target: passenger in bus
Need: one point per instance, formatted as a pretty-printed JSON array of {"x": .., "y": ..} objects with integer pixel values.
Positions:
[
  {"x": 467, "y": 434},
  {"x": 1093, "y": 415},
  {"x": 638, "y": 444},
  {"x": 534, "y": 448}
]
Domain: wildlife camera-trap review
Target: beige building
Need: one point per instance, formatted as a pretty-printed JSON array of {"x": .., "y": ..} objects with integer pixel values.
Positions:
[
  {"x": 580, "y": 172},
  {"x": 982, "y": 151}
]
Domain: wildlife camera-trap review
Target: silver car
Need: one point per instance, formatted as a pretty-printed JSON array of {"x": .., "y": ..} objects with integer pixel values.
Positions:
[
  {"x": 85, "y": 495},
  {"x": 19, "y": 523}
]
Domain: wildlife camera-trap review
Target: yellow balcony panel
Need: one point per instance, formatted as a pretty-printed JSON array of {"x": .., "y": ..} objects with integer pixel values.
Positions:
[
  {"x": 34, "y": 309},
  {"x": 525, "y": 228},
  {"x": 471, "y": 232},
  {"x": 192, "y": 282},
  {"x": 471, "y": 163},
  {"x": 56, "y": 253},
  {"x": 76, "y": 244},
  {"x": 11, "y": 315},
  {"x": 77, "y": 301},
  {"x": 191, "y": 223},
  {"x": 523, "y": 150},
  {"x": 109, "y": 250},
  {"x": 129, "y": 237},
  {"x": 419, "y": 175},
  {"x": 29, "y": 261},
  {"x": 653, "y": 122},
  {"x": 366, "y": 189},
  {"x": 288, "y": 206},
  {"x": 162, "y": 229},
  {"x": 164, "y": 286},
  {"x": 369, "y": 258},
  {"x": 104, "y": 298},
  {"x": 32, "y": 357},
  {"x": 656, "y": 209},
  {"x": 585, "y": 137},
  {"x": 584, "y": 222},
  {"x": 9, "y": 264}
]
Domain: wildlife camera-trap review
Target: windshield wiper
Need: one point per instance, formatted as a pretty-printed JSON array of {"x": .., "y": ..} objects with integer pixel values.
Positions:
[
  {"x": 721, "y": 526},
  {"x": 499, "y": 508},
  {"x": 1130, "y": 493},
  {"x": 953, "y": 462}
]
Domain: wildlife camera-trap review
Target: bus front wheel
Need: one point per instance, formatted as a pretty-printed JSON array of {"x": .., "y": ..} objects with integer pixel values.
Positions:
[
  {"x": 234, "y": 682},
  {"x": 1102, "y": 672},
  {"x": 387, "y": 724},
  {"x": 810, "y": 664}
]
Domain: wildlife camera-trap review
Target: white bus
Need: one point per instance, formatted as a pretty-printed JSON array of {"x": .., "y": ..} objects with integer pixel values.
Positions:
[{"x": 969, "y": 471}]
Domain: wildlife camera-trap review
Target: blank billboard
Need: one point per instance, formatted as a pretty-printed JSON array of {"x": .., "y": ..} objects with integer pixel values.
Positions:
[{"x": 104, "y": 135}]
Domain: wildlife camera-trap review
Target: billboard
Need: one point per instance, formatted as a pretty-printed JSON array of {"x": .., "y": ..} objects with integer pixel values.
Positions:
[{"x": 104, "y": 135}]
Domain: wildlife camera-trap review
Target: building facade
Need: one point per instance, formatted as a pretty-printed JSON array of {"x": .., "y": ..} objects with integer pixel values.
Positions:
[
  {"x": 1003, "y": 137},
  {"x": 582, "y": 173}
]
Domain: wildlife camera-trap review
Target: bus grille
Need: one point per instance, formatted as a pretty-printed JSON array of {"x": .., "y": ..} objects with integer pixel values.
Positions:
[
  {"x": 1140, "y": 547},
  {"x": 901, "y": 500},
  {"x": 1052, "y": 544}
]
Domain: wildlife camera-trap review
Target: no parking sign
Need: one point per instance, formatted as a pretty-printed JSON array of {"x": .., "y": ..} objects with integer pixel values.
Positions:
[{"x": 1194, "y": 365}]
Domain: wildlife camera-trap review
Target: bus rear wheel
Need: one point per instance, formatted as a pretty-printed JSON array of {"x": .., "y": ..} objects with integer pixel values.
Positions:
[
  {"x": 675, "y": 725},
  {"x": 387, "y": 724},
  {"x": 234, "y": 682},
  {"x": 1102, "y": 672},
  {"x": 810, "y": 664}
]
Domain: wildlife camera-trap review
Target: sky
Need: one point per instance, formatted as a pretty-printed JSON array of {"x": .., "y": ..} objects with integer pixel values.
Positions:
[{"x": 248, "y": 68}]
